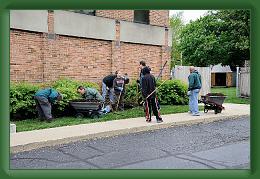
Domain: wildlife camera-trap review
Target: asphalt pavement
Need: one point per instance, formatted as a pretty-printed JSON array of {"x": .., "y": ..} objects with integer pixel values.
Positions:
[
  {"x": 222, "y": 144},
  {"x": 28, "y": 140}
]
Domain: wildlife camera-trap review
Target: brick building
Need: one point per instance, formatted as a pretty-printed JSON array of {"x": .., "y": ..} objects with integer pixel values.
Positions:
[{"x": 86, "y": 45}]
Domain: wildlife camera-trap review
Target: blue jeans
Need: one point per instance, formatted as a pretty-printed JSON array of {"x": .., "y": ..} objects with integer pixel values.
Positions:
[
  {"x": 193, "y": 101},
  {"x": 104, "y": 93}
]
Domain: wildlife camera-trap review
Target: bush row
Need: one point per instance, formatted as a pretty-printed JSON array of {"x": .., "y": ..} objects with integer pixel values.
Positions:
[
  {"x": 171, "y": 92},
  {"x": 22, "y": 104}
]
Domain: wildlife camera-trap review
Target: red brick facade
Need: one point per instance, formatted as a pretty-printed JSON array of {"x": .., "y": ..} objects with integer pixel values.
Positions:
[
  {"x": 37, "y": 58},
  {"x": 157, "y": 17}
]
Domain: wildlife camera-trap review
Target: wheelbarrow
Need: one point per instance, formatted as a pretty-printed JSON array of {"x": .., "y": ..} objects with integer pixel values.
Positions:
[
  {"x": 213, "y": 101},
  {"x": 85, "y": 107}
]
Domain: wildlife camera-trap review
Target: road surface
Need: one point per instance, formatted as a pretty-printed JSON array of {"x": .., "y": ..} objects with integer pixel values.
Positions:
[{"x": 216, "y": 145}]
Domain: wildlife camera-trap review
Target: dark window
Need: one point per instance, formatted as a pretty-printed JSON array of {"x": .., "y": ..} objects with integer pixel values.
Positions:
[
  {"x": 141, "y": 16},
  {"x": 87, "y": 12}
]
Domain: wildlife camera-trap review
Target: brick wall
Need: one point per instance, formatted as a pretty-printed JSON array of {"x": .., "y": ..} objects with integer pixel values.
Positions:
[
  {"x": 77, "y": 58},
  {"x": 26, "y": 57},
  {"x": 127, "y": 15},
  {"x": 129, "y": 55},
  {"x": 157, "y": 17},
  {"x": 37, "y": 58}
]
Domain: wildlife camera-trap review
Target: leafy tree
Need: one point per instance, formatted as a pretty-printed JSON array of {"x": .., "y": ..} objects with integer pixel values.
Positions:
[
  {"x": 176, "y": 24},
  {"x": 219, "y": 37}
]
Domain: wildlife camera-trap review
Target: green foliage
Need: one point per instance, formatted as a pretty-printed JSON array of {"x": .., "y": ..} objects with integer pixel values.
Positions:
[
  {"x": 172, "y": 92},
  {"x": 219, "y": 37},
  {"x": 68, "y": 89},
  {"x": 176, "y": 24},
  {"x": 22, "y": 104},
  {"x": 132, "y": 94}
]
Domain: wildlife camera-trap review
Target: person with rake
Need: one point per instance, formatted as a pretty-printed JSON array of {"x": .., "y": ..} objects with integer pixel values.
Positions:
[
  {"x": 149, "y": 94},
  {"x": 119, "y": 90}
]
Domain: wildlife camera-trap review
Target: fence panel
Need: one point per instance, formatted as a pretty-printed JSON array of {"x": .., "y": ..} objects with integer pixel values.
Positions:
[
  {"x": 182, "y": 73},
  {"x": 244, "y": 81}
]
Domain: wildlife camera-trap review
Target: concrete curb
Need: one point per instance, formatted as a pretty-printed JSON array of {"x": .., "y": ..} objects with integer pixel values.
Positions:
[{"x": 31, "y": 146}]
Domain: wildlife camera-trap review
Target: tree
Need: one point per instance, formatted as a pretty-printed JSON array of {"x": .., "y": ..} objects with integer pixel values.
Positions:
[
  {"x": 219, "y": 37},
  {"x": 176, "y": 24}
]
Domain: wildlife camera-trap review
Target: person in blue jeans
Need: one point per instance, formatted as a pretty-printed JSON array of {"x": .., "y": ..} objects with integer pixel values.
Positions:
[
  {"x": 107, "y": 87},
  {"x": 44, "y": 98},
  {"x": 194, "y": 89}
]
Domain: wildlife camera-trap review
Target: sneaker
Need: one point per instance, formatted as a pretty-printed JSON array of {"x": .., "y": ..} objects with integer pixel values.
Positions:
[
  {"x": 196, "y": 114},
  {"x": 159, "y": 120},
  {"x": 148, "y": 120}
]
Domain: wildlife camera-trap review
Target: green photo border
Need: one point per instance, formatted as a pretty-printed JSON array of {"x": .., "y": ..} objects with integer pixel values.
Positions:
[{"x": 7, "y": 5}]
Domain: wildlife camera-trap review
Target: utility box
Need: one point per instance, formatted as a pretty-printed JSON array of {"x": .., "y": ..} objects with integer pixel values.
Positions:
[{"x": 12, "y": 128}]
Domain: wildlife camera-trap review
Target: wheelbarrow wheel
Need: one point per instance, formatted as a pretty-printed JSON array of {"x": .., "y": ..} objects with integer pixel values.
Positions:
[
  {"x": 79, "y": 115},
  {"x": 217, "y": 111},
  {"x": 94, "y": 115},
  {"x": 206, "y": 110}
]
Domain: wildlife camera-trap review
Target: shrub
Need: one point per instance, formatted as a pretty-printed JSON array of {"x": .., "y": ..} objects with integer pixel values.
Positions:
[
  {"x": 22, "y": 104},
  {"x": 132, "y": 94},
  {"x": 68, "y": 89},
  {"x": 172, "y": 92}
]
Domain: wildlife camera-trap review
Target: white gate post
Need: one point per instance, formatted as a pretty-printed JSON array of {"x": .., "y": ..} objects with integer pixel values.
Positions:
[{"x": 237, "y": 83}]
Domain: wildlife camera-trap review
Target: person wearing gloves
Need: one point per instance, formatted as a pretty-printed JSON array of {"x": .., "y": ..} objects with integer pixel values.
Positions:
[
  {"x": 90, "y": 93},
  {"x": 107, "y": 87},
  {"x": 119, "y": 90},
  {"x": 149, "y": 94},
  {"x": 193, "y": 91},
  {"x": 44, "y": 99}
]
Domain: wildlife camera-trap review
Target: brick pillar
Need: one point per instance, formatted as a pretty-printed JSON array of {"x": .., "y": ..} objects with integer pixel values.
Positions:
[
  {"x": 116, "y": 63},
  {"x": 166, "y": 52},
  {"x": 49, "y": 40}
]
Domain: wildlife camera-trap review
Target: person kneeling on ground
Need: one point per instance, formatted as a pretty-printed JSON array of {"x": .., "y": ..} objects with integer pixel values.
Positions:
[
  {"x": 119, "y": 90},
  {"x": 90, "y": 93},
  {"x": 44, "y": 98},
  {"x": 149, "y": 94}
]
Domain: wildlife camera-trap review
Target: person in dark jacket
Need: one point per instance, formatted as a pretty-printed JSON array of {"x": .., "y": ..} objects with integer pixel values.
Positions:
[
  {"x": 193, "y": 90},
  {"x": 44, "y": 98},
  {"x": 119, "y": 89},
  {"x": 148, "y": 92},
  {"x": 142, "y": 64},
  {"x": 90, "y": 93},
  {"x": 107, "y": 87}
]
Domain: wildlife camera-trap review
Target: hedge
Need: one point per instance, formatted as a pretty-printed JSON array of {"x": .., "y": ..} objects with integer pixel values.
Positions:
[
  {"x": 22, "y": 104},
  {"x": 172, "y": 92}
]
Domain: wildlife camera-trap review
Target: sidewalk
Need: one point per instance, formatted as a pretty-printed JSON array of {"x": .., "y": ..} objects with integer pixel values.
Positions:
[{"x": 28, "y": 140}]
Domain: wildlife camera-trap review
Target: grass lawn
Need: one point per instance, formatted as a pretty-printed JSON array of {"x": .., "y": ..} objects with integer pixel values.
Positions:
[
  {"x": 33, "y": 124},
  {"x": 231, "y": 95}
]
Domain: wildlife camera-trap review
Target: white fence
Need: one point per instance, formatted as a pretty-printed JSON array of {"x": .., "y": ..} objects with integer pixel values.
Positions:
[
  {"x": 182, "y": 73},
  {"x": 243, "y": 85}
]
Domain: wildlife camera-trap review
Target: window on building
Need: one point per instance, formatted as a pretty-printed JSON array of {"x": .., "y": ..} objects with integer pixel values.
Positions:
[
  {"x": 87, "y": 12},
  {"x": 141, "y": 16}
]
